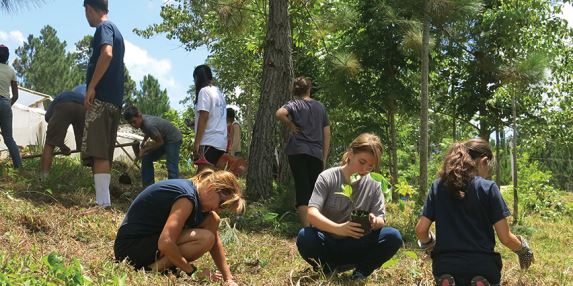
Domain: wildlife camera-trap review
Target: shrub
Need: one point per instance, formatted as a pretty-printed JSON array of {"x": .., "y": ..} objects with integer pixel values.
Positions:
[{"x": 537, "y": 194}]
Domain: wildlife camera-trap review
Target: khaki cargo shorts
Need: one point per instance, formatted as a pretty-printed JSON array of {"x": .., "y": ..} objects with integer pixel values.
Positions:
[
  {"x": 66, "y": 113},
  {"x": 100, "y": 132}
]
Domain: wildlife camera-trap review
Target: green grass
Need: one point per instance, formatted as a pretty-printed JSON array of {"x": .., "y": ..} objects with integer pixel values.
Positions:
[{"x": 49, "y": 236}]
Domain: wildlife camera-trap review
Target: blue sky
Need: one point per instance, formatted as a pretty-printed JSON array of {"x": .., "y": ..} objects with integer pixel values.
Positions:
[{"x": 165, "y": 59}]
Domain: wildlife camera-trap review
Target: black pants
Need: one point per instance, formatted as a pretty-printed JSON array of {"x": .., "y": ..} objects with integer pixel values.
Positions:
[{"x": 305, "y": 169}]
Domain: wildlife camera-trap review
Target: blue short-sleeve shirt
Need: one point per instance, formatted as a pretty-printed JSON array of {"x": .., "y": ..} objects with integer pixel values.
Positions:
[
  {"x": 465, "y": 225},
  {"x": 149, "y": 211},
  {"x": 110, "y": 87}
]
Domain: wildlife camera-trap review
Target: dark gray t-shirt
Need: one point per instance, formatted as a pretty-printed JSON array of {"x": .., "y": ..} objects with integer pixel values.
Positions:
[
  {"x": 154, "y": 126},
  {"x": 310, "y": 117},
  {"x": 366, "y": 195}
]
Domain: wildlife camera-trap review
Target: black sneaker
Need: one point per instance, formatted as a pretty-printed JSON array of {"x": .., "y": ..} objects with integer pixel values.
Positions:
[
  {"x": 479, "y": 281},
  {"x": 446, "y": 280}
]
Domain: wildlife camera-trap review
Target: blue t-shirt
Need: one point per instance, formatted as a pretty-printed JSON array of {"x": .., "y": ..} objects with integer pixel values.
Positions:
[
  {"x": 66, "y": 96},
  {"x": 464, "y": 228},
  {"x": 149, "y": 211},
  {"x": 110, "y": 87},
  {"x": 310, "y": 117}
]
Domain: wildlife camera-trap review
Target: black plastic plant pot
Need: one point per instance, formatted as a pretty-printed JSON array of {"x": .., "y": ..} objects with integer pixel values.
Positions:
[{"x": 361, "y": 217}]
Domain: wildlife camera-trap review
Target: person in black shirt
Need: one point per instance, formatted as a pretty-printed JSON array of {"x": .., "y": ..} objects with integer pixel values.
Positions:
[
  {"x": 467, "y": 208},
  {"x": 174, "y": 222}
]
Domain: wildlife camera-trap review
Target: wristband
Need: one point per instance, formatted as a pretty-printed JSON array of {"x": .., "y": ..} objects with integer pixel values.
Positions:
[{"x": 430, "y": 244}]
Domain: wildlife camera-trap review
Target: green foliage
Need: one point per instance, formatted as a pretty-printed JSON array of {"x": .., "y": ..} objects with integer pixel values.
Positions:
[
  {"x": 151, "y": 99},
  {"x": 45, "y": 66},
  {"x": 537, "y": 194},
  {"x": 59, "y": 272},
  {"x": 405, "y": 190}
]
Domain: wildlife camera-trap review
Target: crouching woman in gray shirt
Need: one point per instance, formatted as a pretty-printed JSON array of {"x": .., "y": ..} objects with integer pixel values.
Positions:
[{"x": 333, "y": 242}]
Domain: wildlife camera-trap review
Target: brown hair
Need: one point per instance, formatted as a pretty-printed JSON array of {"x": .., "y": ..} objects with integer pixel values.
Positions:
[
  {"x": 459, "y": 166},
  {"x": 301, "y": 86},
  {"x": 225, "y": 183},
  {"x": 365, "y": 142}
]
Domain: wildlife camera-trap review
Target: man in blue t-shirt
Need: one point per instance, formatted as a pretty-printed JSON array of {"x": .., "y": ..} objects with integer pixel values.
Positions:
[
  {"x": 104, "y": 97},
  {"x": 66, "y": 109}
]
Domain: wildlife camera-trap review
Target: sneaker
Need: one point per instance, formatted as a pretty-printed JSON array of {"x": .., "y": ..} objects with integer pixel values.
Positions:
[
  {"x": 357, "y": 276},
  {"x": 446, "y": 280},
  {"x": 479, "y": 281}
]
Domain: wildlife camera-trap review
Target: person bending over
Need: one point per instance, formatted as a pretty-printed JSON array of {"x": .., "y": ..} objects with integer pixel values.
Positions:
[
  {"x": 174, "y": 222},
  {"x": 66, "y": 109},
  {"x": 166, "y": 141},
  {"x": 467, "y": 208}
]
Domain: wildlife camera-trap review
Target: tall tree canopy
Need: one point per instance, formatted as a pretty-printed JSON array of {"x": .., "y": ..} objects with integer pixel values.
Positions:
[{"x": 45, "y": 66}]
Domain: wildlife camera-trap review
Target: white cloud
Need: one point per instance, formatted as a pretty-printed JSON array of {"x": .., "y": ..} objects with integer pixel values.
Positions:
[
  {"x": 12, "y": 39},
  {"x": 567, "y": 14},
  {"x": 140, "y": 63}
]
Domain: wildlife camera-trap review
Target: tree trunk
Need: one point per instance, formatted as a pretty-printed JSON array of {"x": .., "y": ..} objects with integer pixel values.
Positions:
[
  {"x": 424, "y": 104},
  {"x": 497, "y": 156},
  {"x": 514, "y": 158},
  {"x": 393, "y": 150},
  {"x": 454, "y": 130},
  {"x": 277, "y": 77}
]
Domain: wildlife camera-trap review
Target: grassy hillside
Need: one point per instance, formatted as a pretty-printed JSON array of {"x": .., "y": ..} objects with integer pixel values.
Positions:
[{"x": 49, "y": 235}]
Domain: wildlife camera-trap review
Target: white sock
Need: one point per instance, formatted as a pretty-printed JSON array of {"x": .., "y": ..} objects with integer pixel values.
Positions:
[{"x": 102, "y": 182}]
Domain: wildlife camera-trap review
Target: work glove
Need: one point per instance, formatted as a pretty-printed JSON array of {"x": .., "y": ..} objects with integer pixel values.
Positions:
[{"x": 524, "y": 254}]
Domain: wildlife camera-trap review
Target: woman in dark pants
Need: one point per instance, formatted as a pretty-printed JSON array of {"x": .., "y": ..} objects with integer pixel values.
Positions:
[
  {"x": 7, "y": 81},
  {"x": 334, "y": 242},
  {"x": 308, "y": 143}
]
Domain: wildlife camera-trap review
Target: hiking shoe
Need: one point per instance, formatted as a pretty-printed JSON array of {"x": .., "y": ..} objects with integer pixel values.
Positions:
[
  {"x": 479, "y": 281},
  {"x": 446, "y": 280}
]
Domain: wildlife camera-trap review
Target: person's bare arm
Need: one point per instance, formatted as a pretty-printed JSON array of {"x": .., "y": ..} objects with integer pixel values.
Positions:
[
  {"x": 14, "y": 86},
  {"x": 201, "y": 125},
  {"x": 282, "y": 116},
  {"x": 505, "y": 236},
  {"x": 157, "y": 142},
  {"x": 103, "y": 62},
  {"x": 423, "y": 229},
  {"x": 167, "y": 244},
  {"x": 217, "y": 251}
]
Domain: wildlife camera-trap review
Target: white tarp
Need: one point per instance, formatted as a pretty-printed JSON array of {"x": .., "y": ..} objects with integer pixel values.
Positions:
[{"x": 28, "y": 126}]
